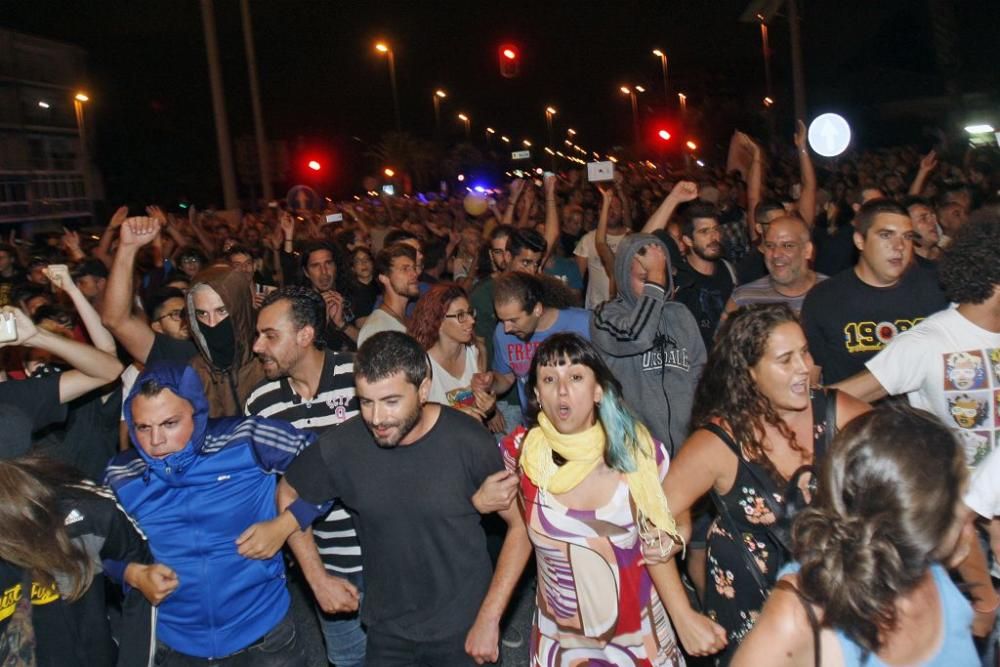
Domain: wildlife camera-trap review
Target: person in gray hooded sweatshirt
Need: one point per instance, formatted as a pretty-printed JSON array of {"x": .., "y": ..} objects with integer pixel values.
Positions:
[{"x": 650, "y": 342}]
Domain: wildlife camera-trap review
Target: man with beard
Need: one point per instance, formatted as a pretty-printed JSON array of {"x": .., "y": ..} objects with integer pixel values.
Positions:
[
  {"x": 319, "y": 267},
  {"x": 787, "y": 251},
  {"x": 705, "y": 281},
  {"x": 312, "y": 387},
  {"x": 407, "y": 471},
  {"x": 398, "y": 274}
]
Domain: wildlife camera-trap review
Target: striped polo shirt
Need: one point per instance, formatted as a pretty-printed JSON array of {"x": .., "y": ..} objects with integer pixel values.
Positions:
[
  {"x": 335, "y": 402},
  {"x": 762, "y": 291}
]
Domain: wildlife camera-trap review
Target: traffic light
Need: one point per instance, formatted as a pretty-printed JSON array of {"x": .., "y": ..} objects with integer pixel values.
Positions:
[
  {"x": 663, "y": 134},
  {"x": 510, "y": 61},
  {"x": 314, "y": 165}
]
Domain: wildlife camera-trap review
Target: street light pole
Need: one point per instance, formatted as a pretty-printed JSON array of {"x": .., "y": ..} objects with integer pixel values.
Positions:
[
  {"x": 549, "y": 113},
  {"x": 229, "y": 193},
  {"x": 438, "y": 96},
  {"x": 663, "y": 65},
  {"x": 682, "y": 98},
  {"x": 381, "y": 47},
  {"x": 465, "y": 119},
  {"x": 263, "y": 157},
  {"x": 78, "y": 101},
  {"x": 631, "y": 92},
  {"x": 767, "y": 55}
]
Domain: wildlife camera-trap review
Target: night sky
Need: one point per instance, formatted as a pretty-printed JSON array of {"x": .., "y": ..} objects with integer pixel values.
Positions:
[{"x": 323, "y": 84}]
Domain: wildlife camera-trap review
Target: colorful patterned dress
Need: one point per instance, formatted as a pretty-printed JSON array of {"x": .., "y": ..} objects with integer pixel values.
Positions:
[{"x": 596, "y": 602}]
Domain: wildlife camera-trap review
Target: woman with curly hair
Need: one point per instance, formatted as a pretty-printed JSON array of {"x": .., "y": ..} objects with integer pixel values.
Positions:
[
  {"x": 757, "y": 423},
  {"x": 869, "y": 585},
  {"x": 444, "y": 323}
]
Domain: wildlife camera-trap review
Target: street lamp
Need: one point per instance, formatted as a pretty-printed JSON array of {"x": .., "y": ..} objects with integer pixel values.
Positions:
[
  {"x": 571, "y": 132},
  {"x": 663, "y": 65},
  {"x": 767, "y": 55},
  {"x": 527, "y": 144},
  {"x": 631, "y": 93},
  {"x": 683, "y": 99},
  {"x": 489, "y": 131},
  {"x": 78, "y": 101},
  {"x": 465, "y": 119},
  {"x": 549, "y": 113},
  {"x": 505, "y": 139},
  {"x": 389, "y": 172},
  {"x": 438, "y": 96},
  {"x": 383, "y": 48}
]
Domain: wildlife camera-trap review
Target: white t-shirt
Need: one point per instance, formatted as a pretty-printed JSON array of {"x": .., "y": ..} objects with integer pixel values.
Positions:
[
  {"x": 377, "y": 322},
  {"x": 598, "y": 284},
  {"x": 447, "y": 389},
  {"x": 948, "y": 366}
]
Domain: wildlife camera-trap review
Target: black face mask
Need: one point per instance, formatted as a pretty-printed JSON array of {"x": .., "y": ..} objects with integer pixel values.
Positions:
[{"x": 221, "y": 342}]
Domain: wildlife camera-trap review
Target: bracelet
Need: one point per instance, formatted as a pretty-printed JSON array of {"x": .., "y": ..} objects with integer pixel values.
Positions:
[{"x": 992, "y": 608}]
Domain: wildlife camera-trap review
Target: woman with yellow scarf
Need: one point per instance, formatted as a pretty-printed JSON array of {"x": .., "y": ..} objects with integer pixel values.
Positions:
[{"x": 591, "y": 494}]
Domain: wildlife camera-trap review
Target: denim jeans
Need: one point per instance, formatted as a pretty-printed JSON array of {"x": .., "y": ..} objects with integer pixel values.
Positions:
[
  {"x": 281, "y": 647},
  {"x": 345, "y": 638}
]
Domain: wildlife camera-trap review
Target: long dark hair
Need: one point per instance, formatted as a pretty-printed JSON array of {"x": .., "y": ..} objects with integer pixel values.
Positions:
[
  {"x": 887, "y": 496},
  {"x": 619, "y": 422},
  {"x": 728, "y": 393},
  {"x": 34, "y": 536}
]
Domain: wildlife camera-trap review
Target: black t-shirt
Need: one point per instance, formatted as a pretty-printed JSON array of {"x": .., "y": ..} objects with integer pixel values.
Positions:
[
  {"x": 835, "y": 252},
  {"x": 751, "y": 267},
  {"x": 424, "y": 551},
  {"x": 847, "y": 321},
  {"x": 37, "y": 399},
  {"x": 705, "y": 296},
  {"x": 166, "y": 348}
]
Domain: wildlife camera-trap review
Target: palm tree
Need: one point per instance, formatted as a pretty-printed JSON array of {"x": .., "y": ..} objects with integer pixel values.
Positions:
[{"x": 407, "y": 155}]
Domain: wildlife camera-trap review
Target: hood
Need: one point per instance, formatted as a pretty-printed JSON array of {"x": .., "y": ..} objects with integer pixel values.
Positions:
[
  {"x": 235, "y": 290},
  {"x": 627, "y": 249},
  {"x": 183, "y": 381}
]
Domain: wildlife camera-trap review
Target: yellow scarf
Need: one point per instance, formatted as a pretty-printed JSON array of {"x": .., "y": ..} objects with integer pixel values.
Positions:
[{"x": 583, "y": 452}]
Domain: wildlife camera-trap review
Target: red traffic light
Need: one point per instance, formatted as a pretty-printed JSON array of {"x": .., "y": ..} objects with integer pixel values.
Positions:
[
  {"x": 664, "y": 135},
  {"x": 509, "y": 61},
  {"x": 314, "y": 165}
]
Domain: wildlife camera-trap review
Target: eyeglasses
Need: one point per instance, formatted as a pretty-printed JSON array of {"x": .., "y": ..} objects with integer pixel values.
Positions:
[
  {"x": 175, "y": 315},
  {"x": 463, "y": 315}
]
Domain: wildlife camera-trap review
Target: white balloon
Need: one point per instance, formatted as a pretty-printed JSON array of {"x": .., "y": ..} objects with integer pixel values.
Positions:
[{"x": 829, "y": 135}]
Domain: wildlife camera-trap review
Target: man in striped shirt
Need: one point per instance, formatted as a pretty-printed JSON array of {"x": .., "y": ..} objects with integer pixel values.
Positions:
[{"x": 313, "y": 388}]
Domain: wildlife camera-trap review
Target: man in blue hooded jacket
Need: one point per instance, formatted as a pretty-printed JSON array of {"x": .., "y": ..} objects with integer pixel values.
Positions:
[{"x": 198, "y": 488}]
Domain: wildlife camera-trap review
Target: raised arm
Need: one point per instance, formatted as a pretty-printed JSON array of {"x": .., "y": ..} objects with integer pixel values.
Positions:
[
  {"x": 807, "y": 198},
  {"x": 551, "y": 217},
  {"x": 601, "y": 238},
  {"x": 516, "y": 188},
  {"x": 754, "y": 185},
  {"x": 91, "y": 367},
  {"x": 99, "y": 336},
  {"x": 928, "y": 164},
  {"x": 117, "y": 310},
  {"x": 684, "y": 191},
  {"x": 103, "y": 250}
]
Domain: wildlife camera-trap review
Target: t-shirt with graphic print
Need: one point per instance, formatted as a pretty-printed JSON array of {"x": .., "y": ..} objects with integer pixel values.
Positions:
[{"x": 951, "y": 367}]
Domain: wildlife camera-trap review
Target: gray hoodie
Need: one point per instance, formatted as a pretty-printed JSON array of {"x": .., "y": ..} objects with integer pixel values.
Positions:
[{"x": 653, "y": 346}]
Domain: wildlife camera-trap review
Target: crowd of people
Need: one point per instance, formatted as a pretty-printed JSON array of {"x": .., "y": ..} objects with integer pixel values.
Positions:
[{"x": 742, "y": 416}]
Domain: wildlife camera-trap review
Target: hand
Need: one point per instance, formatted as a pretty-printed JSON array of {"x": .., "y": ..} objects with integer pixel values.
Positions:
[
  {"x": 258, "y": 298},
  {"x": 699, "y": 634},
  {"x": 155, "y": 582},
  {"x": 516, "y": 188},
  {"x": 482, "y": 381},
  {"x": 496, "y": 493},
  {"x": 335, "y": 308},
  {"x": 653, "y": 552},
  {"x": 607, "y": 192},
  {"x": 496, "y": 423},
  {"x": 287, "y": 225},
  {"x": 684, "y": 191},
  {"x": 139, "y": 231},
  {"x": 929, "y": 163},
  {"x": 654, "y": 261},
  {"x": 71, "y": 242},
  {"x": 119, "y": 217},
  {"x": 483, "y": 641},
  {"x": 800, "y": 135},
  {"x": 486, "y": 401},
  {"x": 58, "y": 275},
  {"x": 549, "y": 183},
  {"x": 263, "y": 539},
  {"x": 335, "y": 595},
  {"x": 157, "y": 214},
  {"x": 26, "y": 329}
]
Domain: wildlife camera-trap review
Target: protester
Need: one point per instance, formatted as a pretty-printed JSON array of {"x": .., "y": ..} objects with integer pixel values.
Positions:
[
  {"x": 213, "y": 602},
  {"x": 429, "y": 595},
  {"x": 585, "y": 448},
  {"x": 757, "y": 423},
  {"x": 397, "y": 272},
  {"x": 650, "y": 343},
  {"x": 868, "y": 585}
]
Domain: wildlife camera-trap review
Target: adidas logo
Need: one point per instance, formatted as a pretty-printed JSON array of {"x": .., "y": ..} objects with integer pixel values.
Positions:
[{"x": 74, "y": 516}]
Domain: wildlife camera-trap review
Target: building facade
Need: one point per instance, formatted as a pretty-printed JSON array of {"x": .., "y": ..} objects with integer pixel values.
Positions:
[{"x": 46, "y": 168}]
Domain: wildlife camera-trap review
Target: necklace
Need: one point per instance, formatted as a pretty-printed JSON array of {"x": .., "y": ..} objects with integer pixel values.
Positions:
[{"x": 392, "y": 312}]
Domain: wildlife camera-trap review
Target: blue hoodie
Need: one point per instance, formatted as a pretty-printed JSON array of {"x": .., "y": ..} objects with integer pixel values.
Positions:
[{"x": 194, "y": 503}]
